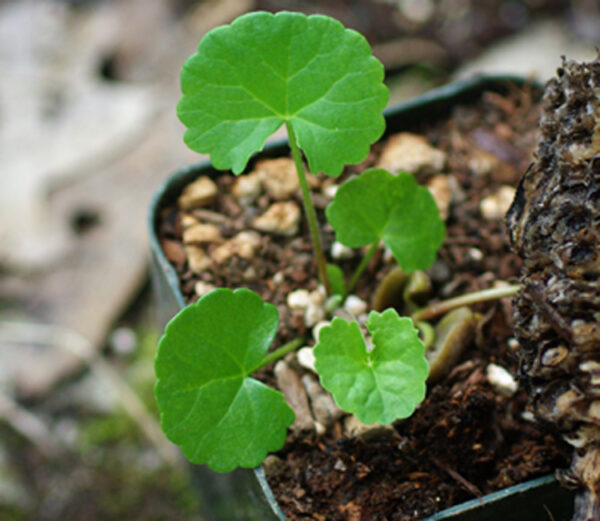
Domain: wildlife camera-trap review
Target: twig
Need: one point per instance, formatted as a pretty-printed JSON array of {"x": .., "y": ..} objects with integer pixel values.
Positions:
[
  {"x": 459, "y": 479},
  {"x": 549, "y": 513},
  {"x": 442, "y": 307},
  {"x": 78, "y": 345}
]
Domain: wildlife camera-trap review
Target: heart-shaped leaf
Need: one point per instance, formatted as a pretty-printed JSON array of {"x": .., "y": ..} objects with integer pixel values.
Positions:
[
  {"x": 263, "y": 70},
  {"x": 209, "y": 405},
  {"x": 378, "y": 205},
  {"x": 380, "y": 385}
]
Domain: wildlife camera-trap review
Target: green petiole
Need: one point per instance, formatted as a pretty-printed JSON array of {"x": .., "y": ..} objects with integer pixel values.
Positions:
[
  {"x": 361, "y": 267},
  {"x": 280, "y": 352},
  {"x": 309, "y": 211},
  {"x": 439, "y": 308}
]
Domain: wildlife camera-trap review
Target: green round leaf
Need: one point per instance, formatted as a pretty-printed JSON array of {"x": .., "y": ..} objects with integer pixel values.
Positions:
[
  {"x": 263, "y": 70},
  {"x": 378, "y": 205},
  {"x": 209, "y": 405},
  {"x": 381, "y": 385}
]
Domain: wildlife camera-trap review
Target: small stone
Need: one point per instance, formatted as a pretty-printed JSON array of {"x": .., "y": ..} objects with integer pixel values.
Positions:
[
  {"x": 271, "y": 465},
  {"x": 202, "y": 192},
  {"x": 481, "y": 162},
  {"x": 199, "y": 233},
  {"x": 244, "y": 244},
  {"x": 317, "y": 296},
  {"x": 295, "y": 396},
  {"x": 340, "y": 465},
  {"x": 278, "y": 176},
  {"x": 306, "y": 358},
  {"x": 417, "y": 11},
  {"x": 280, "y": 219},
  {"x": 317, "y": 328},
  {"x": 342, "y": 313},
  {"x": 313, "y": 315},
  {"x": 406, "y": 152},
  {"x": 298, "y": 299},
  {"x": 247, "y": 188},
  {"x": 501, "y": 380},
  {"x": 198, "y": 259},
  {"x": 528, "y": 416},
  {"x": 324, "y": 408},
  {"x": 440, "y": 189},
  {"x": 320, "y": 429},
  {"x": 329, "y": 191},
  {"x": 341, "y": 252},
  {"x": 354, "y": 428},
  {"x": 278, "y": 278},
  {"x": 355, "y": 305},
  {"x": 475, "y": 254},
  {"x": 173, "y": 251},
  {"x": 457, "y": 191},
  {"x": 201, "y": 288},
  {"x": 188, "y": 220},
  {"x": 494, "y": 207}
]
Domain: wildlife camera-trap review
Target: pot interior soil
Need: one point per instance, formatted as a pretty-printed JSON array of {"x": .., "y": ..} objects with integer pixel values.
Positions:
[{"x": 468, "y": 437}]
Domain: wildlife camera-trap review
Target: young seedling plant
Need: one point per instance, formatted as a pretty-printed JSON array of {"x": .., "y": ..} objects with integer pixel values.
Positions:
[{"x": 322, "y": 83}]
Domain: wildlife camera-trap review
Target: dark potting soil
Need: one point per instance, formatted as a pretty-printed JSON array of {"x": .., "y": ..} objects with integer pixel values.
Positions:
[{"x": 467, "y": 438}]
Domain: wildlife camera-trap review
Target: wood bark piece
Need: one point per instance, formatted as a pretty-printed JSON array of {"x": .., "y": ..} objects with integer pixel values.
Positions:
[{"x": 554, "y": 225}]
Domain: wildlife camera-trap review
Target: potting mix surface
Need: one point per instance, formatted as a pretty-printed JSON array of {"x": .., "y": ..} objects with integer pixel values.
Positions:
[{"x": 470, "y": 436}]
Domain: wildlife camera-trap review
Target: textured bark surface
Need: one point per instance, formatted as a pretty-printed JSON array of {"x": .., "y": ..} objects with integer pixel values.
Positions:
[{"x": 554, "y": 224}]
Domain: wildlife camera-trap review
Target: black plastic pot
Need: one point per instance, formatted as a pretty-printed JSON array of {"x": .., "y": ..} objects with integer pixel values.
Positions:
[{"x": 245, "y": 495}]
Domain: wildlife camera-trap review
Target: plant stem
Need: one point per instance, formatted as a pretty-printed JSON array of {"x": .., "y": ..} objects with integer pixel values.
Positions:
[
  {"x": 361, "y": 267},
  {"x": 280, "y": 353},
  {"x": 439, "y": 308},
  {"x": 427, "y": 333},
  {"x": 309, "y": 210}
]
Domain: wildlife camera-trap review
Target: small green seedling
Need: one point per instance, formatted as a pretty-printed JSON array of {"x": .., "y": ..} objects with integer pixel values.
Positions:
[
  {"x": 310, "y": 74},
  {"x": 320, "y": 81},
  {"x": 378, "y": 206},
  {"x": 221, "y": 416},
  {"x": 378, "y": 385}
]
